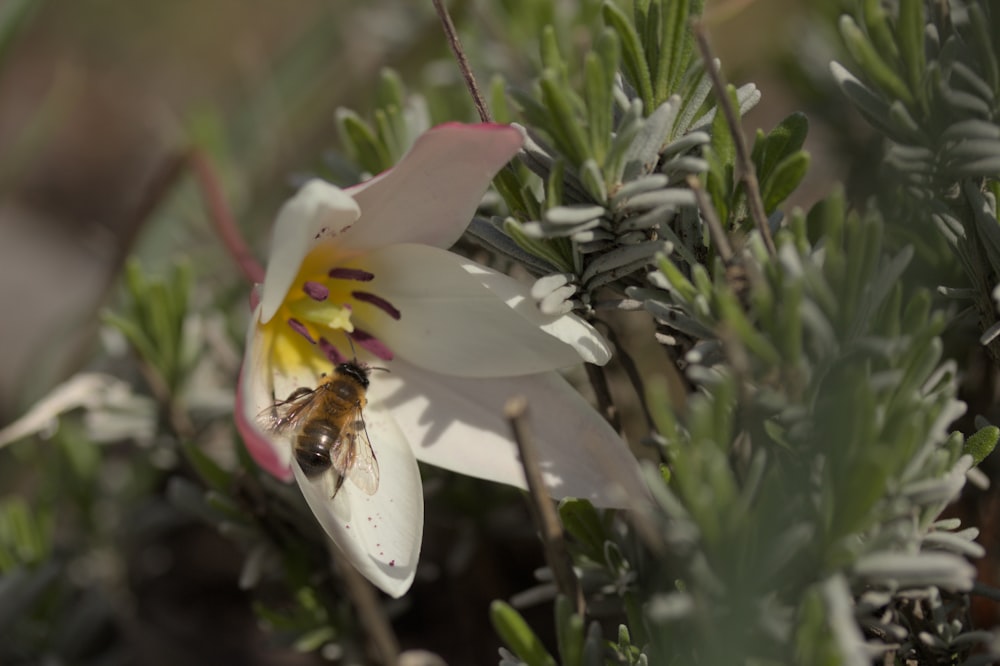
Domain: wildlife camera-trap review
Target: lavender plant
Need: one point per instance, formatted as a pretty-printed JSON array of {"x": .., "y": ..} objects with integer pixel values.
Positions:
[{"x": 799, "y": 418}]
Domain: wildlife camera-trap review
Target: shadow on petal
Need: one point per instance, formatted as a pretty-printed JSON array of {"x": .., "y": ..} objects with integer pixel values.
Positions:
[{"x": 458, "y": 423}]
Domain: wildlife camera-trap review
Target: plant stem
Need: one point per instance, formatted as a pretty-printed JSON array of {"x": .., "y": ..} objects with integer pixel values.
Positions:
[
  {"x": 222, "y": 217},
  {"x": 463, "y": 61},
  {"x": 747, "y": 172},
  {"x": 544, "y": 512}
]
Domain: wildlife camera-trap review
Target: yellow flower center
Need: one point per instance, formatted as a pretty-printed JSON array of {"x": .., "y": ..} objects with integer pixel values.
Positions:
[{"x": 314, "y": 325}]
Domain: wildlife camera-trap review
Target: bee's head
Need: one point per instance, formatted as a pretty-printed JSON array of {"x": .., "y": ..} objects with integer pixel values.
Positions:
[{"x": 357, "y": 371}]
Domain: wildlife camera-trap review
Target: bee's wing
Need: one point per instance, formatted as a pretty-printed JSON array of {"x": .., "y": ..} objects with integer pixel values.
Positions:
[
  {"x": 353, "y": 456},
  {"x": 284, "y": 414}
]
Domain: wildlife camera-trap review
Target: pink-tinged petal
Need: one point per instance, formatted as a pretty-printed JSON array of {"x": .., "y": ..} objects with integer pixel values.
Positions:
[
  {"x": 459, "y": 318},
  {"x": 261, "y": 448},
  {"x": 319, "y": 213},
  {"x": 458, "y": 424},
  {"x": 432, "y": 194},
  {"x": 254, "y": 395},
  {"x": 379, "y": 534}
]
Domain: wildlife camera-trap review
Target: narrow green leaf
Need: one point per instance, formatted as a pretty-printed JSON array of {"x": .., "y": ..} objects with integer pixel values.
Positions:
[
  {"x": 783, "y": 141},
  {"x": 593, "y": 647},
  {"x": 390, "y": 90},
  {"x": 554, "y": 184},
  {"x": 685, "y": 289},
  {"x": 540, "y": 248},
  {"x": 633, "y": 56},
  {"x": 982, "y": 443},
  {"x": 361, "y": 142},
  {"x": 876, "y": 69},
  {"x": 788, "y": 335},
  {"x": 652, "y": 39},
  {"x": 597, "y": 93},
  {"x": 564, "y": 126},
  {"x": 508, "y": 184},
  {"x": 569, "y": 632},
  {"x": 674, "y": 50},
  {"x": 498, "y": 100},
  {"x": 757, "y": 152},
  {"x": 551, "y": 57},
  {"x": 388, "y": 135},
  {"x": 722, "y": 143},
  {"x": 135, "y": 336},
  {"x": 786, "y": 177},
  {"x": 871, "y": 106},
  {"x": 877, "y": 26},
  {"x": 608, "y": 48},
  {"x": 518, "y": 636},
  {"x": 593, "y": 181},
  {"x": 584, "y": 523},
  {"x": 732, "y": 315},
  {"x": 910, "y": 35}
]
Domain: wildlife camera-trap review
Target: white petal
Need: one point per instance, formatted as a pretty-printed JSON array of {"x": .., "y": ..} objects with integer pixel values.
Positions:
[
  {"x": 458, "y": 424},
  {"x": 463, "y": 319},
  {"x": 316, "y": 214},
  {"x": 432, "y": 194},
  {"x": 584, "y": 338},
  {"x": 379, "y": 534}
]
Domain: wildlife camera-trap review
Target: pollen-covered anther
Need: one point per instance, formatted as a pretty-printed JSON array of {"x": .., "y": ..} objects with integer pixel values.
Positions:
[
  {"x": 316, "y": 290},
  {"x": 301, "y": 329},
  {"x": 355, "y": 274},
  {"x": 379, "y": 302}
]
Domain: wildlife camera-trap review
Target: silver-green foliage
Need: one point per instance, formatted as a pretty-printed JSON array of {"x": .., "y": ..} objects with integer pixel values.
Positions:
[
  {"x": 927, "y": 77},
  {"x": 609, "y": 147},
  {"x": 814, "y": 467}
]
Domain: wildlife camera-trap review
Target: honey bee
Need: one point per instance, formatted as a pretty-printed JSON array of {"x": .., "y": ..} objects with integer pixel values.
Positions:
[{"x": 328, "y": 428}]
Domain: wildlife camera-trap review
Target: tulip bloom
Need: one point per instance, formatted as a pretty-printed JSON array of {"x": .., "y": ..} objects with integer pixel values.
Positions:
[{"x": 362, "y": 272}]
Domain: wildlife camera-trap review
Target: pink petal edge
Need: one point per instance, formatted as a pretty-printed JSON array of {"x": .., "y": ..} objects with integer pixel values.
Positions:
[
  {"x": 489, "y": 127},
  {"x": 258, "y": 446},
  {"x": 430, "y": 196}
]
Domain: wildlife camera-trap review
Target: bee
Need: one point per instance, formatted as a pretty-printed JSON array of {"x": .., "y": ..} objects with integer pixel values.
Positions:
[{"x": 328, "y": 428}]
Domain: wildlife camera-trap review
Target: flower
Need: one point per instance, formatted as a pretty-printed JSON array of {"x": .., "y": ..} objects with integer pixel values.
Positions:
[{"x": 363, "y": 271}]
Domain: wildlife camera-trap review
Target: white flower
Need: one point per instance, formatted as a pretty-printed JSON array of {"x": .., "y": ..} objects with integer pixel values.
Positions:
[{"x": 363, "y": 269}]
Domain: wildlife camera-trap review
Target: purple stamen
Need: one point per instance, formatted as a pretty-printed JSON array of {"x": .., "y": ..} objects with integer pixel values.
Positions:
[
  {"x": 301, "y": 329},
  {"x": 379, "y": 302},
  {"x": 316, "y": 290},
  {"x": 351, "y": 274},
  {"x": 332, "y": 353},
  {"x": 371, "y": 343}
]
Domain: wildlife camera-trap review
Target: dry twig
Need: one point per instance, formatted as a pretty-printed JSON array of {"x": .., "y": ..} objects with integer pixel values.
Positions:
[{"x": 556, "y": 553}]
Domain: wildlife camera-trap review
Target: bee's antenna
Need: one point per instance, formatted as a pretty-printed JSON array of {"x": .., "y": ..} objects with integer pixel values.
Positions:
[{"x": 354, "y": 352}]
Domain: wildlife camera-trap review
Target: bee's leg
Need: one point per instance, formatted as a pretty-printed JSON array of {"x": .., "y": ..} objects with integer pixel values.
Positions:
[{"x": 336, "y": 487}]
